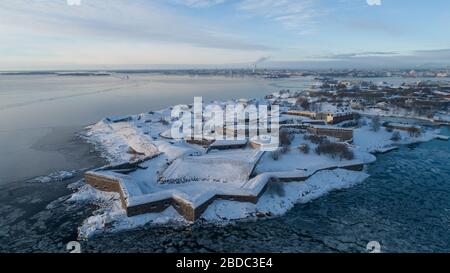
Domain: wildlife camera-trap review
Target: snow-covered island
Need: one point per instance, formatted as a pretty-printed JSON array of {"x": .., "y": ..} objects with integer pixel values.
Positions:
[{"x": 156, "y": 179}]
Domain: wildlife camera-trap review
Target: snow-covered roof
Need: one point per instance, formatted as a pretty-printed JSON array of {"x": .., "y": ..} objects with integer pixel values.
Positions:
[
  {"x": 331, "y": 127},
  {"x": 231, "y": 142}
]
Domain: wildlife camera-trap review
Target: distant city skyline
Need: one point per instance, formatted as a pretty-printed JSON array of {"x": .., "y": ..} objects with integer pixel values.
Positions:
[{"x": 172, "y": 34}]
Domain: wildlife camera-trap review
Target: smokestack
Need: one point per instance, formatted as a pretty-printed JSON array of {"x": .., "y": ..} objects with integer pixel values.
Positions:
[{"x": 262, "y": 59}]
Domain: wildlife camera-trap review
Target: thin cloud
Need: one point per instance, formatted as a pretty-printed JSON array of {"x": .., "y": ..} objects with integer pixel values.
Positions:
[
  {"x": 293, "y": 15},
  {"x": 360, "y": 55},
  {"x": 432, "y": 55},
  {"x": 435, "y": 53},
  {"x": 414, "y": 58},
  {"x": 296, "y": 15},
  {"x": 113, "y": 20}
]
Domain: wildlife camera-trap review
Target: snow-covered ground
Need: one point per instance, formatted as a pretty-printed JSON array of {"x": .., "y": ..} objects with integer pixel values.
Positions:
[
  {"x": 221, "y": 166},
  {"x": 111, "y": 217},
  {"x": 277, "y": 200},
  {"x": 442, "y": 117},
  {"x": 370, "y": 141},
  {"x": 402, "y": 113},
  {"x": 295, "y": 160},
  {"x": 189, "y": 172},
  {"x": 123, "y": 141}
]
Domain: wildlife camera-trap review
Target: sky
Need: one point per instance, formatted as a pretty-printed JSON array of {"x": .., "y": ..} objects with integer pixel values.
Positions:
[{"x": 103, "y": 34}]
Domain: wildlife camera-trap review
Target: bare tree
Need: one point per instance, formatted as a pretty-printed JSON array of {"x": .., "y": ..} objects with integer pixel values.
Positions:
[
  {"x": 414, "y": 132},
  {"x": 396, "y": 136},
  {"x": 335, "y": 150},
  {"x": 285, "y": 138},
  {"x": 304, "y": 148},
  {"x": 376, "y": 124},
  {"x": 304, "y": 103}
]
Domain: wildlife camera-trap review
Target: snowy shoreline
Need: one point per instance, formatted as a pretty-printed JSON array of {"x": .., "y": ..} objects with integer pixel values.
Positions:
[{"x": 122, "y": 139}]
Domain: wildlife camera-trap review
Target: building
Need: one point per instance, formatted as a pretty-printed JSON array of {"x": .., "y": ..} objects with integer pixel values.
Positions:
[
  {"x": 228, "y": 144},
  {"x": 343, "y": 134},
  {"x": 341, "y": 117},
  {"x": 308, "y": 114},
  {"x": 403, "y": 127},
  {"x": 328, "y": 117},
  {"x": 335, "y": 118}
]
